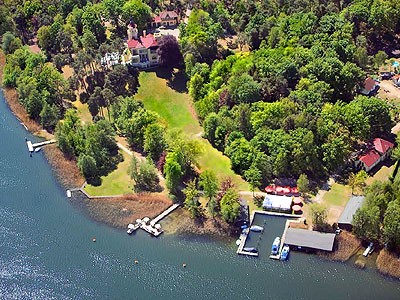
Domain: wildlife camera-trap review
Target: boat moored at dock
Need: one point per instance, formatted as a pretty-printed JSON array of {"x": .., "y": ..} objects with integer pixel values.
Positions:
[
  {"x": 275, "y": 246},
  {"x": 256, "y": 228},
  {"x": 285, "y": 252}
]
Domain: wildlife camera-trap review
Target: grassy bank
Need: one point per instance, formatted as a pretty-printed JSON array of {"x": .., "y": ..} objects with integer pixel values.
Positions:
[
  {"x": 173, "y": 104},
  {"x": 117, "y": 182}
]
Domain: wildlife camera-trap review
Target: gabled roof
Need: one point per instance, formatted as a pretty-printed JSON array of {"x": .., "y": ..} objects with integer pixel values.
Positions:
[
  {"x": 309, "y": 239},
  {"x": 382, "y": 146},
  {"x": 168, "y": 15},
  {"x": 370, "y": 158},
  {"x": 352, "y": 205},
  {"x": 369, "y": 84},
  {"x": 144, "y": 42}
]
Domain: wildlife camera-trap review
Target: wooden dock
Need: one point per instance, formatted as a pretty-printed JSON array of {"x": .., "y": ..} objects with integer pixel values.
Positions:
[{"x": 164, "y": 214}]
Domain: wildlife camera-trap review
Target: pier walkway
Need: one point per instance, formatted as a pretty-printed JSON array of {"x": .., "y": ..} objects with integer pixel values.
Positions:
[
  {"x": 32, "y": 146},
  {"x": 164, "y": 214}
]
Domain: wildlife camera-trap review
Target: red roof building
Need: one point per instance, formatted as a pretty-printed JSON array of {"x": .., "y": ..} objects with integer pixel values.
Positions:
[
  {"x": 143, "y": 51},
  {"x": 165, "y": 18},
  {"x": 382, "y": 146},
  {"x": 370, "y": 87},
  {"x": 380, "y": 150}
]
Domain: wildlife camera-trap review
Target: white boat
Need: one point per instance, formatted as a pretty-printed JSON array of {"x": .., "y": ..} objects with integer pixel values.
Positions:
[
  {"x": 369, "y": 249},
  {"x": 238, "y": 242},
  {"x": 69, "y": 194},
  {"x": 256, "y": 228},
  {"x": 275, "y": 246},
  {"x": 250, "y": 249},
  {"x": 285, "y": 252},
  {"x": 132, "y": 228}
]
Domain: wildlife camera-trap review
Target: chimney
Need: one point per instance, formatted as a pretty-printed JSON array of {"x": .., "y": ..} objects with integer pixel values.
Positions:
[{"x": 144, "y": 33}]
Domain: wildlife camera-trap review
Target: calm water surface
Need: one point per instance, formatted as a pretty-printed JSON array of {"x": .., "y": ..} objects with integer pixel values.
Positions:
[{"x": 46, "y": 251}]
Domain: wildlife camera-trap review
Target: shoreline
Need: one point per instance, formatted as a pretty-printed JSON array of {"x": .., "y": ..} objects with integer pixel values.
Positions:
[{"x": 117, "y": 212}]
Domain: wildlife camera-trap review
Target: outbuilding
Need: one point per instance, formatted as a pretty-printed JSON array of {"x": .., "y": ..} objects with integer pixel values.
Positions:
[{"x": 346, "y": 218}]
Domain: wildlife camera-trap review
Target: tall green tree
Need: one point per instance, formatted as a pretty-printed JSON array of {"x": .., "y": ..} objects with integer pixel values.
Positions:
[
  {"x": 192, "y": 203},
  {"x": 230, "y": 207}
]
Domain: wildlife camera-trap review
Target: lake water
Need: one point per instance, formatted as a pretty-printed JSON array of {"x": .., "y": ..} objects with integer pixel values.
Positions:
[{"x": 46, "y": 251}]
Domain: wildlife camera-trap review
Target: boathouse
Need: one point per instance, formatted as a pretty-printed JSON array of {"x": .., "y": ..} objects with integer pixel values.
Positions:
[
  {"x": 346, "y": 218},
  {"x": 309, "y": 240}
]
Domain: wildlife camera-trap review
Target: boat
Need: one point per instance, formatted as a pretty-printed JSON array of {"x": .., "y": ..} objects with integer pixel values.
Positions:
[
  {"x": 132, "y": 228},
  {"x": 369, "y": 249},
  {"x": 250, "y": 249},
  {"x": 238, "y": 241},
  {"x": 285, "y": 252},
  {"x": 69, "y": 194},
  {"x": 38, "y": 149},
  {"x": 256, "y": 228},
  {"x": 275, "y": 246}
]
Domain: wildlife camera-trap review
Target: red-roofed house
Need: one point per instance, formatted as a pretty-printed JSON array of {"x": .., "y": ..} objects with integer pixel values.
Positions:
[
  {"x": 144, "y": 51},
  {"x": 370, "y": 87},
  {"x": 380, "y": 150},
  {"x": 165, "y": 18}
]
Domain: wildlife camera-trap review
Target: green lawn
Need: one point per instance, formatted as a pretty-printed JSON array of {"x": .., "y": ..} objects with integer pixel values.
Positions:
[
  {"x": 117, "y": 182},
  {"x": 172, "y": 106},
  {"x": 338, "y": 195},
  {"x": 175, "y": 109}
]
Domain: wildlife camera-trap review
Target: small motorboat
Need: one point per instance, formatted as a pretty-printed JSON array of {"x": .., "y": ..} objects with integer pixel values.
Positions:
[
  {"x": 238, "y": 242},
  {"x": 250, "y": 249},
  {"x": 285, "y": 252},
  {"x": 256, "y": 228},
  {"x": 275, "y": 246},
  {"x": 369, "y": 249}
]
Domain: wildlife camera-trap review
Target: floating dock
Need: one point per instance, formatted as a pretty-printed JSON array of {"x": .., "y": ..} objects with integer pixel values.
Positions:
[{"x": 151, "y": 227}]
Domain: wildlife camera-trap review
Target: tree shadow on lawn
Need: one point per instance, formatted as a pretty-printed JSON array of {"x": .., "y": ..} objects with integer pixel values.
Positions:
[{"x": 176, "y": 80}]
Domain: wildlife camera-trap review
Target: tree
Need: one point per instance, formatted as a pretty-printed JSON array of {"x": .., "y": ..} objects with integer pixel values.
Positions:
[
  {"x": 173, "y": 172},
  {"x": 243, "y": 89},
  {"x": 154, "y": 141},
  {"x": 145, "y": 176},
  {"x": 357, "y": 181},
  {"x": 253, "y": 176},
  {"x": 87, "y": 166},
  {"x": 169, "y": 52},
  {"x": 230, "y": 207},
  {"x": 318, "y": 215},
  {"x": 380, "y": 58},
  {"x": 10, "y": 43},
  {"x": 366, "y": 223},
  {"x": 391, "y": 224},
  {"x": 192, "y": 203},
  {"x": 209, "y": 183},
  {"x": 49, "y": 116},
  {"x": 136, "y": 10},
  {"x": 303, "y": 184}
]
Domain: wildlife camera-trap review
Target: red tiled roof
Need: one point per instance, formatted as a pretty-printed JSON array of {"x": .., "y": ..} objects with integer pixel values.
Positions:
[
  {"x": 145, "y": 42},
  {"x": 157, "y": 19},
  {"x": 369, "y": 84},
  {"x": 370, "y": 158},
  {"x": 382, "y": 146}
]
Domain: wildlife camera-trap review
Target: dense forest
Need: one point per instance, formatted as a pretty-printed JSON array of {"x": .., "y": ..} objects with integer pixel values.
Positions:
[
  {"x": 290, "y": 105},
  {"x": 280, "y": 100}
]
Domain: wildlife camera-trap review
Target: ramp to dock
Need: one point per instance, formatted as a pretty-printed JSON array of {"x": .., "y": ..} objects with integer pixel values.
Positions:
[{"x": 164, "y": 214}]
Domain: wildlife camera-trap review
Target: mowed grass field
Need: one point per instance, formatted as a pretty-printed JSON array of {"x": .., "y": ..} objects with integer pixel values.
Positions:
[
  {"x": 117, "y": 182},
  {"x": 175, "y": 108}
]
